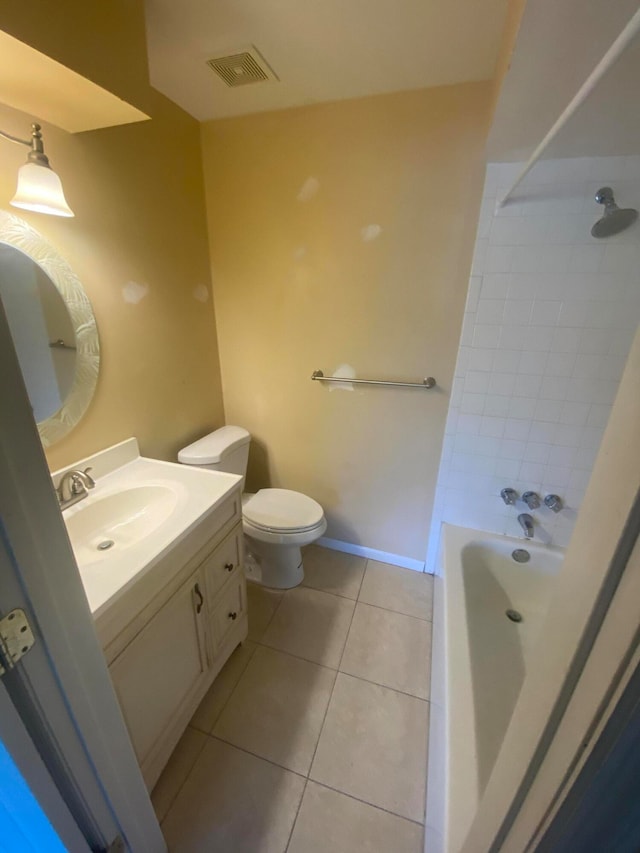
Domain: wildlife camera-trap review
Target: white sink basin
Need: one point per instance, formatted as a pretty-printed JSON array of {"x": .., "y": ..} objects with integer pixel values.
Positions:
[
  {"x": 138, "y": 511},
  {"x": 100, "y": 529}
]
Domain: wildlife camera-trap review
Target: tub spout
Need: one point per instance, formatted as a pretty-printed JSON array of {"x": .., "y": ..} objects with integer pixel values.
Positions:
[{"x": 526, "y": 523}]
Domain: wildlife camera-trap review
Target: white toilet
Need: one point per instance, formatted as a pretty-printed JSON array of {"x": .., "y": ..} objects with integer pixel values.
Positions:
[{"x": 276, "y": 522}]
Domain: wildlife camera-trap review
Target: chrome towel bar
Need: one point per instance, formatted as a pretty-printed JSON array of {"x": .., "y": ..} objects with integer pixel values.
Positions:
[{"x": 427, "y": 383}]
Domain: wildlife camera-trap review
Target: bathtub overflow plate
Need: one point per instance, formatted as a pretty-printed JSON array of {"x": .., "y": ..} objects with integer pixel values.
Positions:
[
  {"x": 520, "y": 555},
  {"x": 514, "y": 615}
]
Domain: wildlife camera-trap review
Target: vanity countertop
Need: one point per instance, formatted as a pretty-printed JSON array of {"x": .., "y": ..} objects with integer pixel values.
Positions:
[{"x": 139, "y": 510}]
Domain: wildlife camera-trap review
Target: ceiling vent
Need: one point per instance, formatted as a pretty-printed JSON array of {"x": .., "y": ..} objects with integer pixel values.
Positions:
[{"x": 242, "y": 67}]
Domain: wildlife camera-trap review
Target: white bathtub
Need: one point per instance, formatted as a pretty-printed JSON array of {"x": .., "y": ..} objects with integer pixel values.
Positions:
[{"x": 479, "y": 661}]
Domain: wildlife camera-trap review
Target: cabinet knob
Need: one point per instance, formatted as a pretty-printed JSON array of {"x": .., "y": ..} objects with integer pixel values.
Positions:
[
  {"x": 228, "y": 567},
  {"x": 233, "y": 616}
]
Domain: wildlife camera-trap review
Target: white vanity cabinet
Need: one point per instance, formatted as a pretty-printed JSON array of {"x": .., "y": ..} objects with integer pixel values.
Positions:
[{"x": 165, "y": 660}]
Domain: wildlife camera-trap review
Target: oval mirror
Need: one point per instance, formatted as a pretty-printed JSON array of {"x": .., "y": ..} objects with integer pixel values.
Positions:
[{"x": 52, "y": 325}]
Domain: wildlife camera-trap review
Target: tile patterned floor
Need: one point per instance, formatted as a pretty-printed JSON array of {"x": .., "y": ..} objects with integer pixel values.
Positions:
[{"x": 313, "y": 738}]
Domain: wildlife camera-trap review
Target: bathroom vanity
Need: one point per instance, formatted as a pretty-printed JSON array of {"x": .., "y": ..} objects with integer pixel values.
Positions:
[{"x": 160, "y": 552}]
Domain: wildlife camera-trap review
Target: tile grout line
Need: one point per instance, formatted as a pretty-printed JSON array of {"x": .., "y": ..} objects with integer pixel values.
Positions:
[
  {"x": 398, "y": 612},
  {"x": 308, "y": 779},
  {"x": 385, "y": 686},
  {"x": 324, "y": 718},
  {"x": 184, "y": 781},
  {"x": 206, "y": 734},
  {"x": 259, "y": 757},
  {"x": 233, "y": 689},
  {"x": 366, "y": 802},
  {"x": 339, "y": 672},
  {"x": 297, "y": 657},
  {"x": 295, "y": 820}
]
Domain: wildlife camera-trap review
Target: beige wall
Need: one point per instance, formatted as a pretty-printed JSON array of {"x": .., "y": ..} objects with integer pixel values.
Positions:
[
  {"x": 297, "y": 288},
  {"x": 137, "y": 192}
]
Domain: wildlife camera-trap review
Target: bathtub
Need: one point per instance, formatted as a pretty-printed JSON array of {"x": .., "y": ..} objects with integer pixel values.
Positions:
[{"x": 479, "y": 662}]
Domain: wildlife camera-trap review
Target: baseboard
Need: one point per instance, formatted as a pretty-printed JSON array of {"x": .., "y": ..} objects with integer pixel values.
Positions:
[{"x": 372, "y": 554}]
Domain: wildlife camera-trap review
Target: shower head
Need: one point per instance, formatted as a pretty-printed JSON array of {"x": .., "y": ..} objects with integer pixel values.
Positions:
[{"x": 614, "y": 219}]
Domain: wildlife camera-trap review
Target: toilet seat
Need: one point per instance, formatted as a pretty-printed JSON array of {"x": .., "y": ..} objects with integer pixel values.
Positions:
[{"x": 282, "y": 511}]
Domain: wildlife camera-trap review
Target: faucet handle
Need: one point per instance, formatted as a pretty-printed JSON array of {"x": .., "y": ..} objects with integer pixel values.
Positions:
[
  {"x": 531, "y": 499},
  {"x": 89, "y": 481},
  {"x": 554, "y": 502},
  {"x": 509, "y": 496}
]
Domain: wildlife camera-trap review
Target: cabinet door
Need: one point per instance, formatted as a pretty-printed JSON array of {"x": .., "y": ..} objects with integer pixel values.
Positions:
[
  {"x": 162, "y": 666},
  {"x": 230, "y": 607}
]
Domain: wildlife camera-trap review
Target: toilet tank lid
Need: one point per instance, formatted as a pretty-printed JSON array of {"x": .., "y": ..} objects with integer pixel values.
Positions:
[{"x": 214, "y": 447}]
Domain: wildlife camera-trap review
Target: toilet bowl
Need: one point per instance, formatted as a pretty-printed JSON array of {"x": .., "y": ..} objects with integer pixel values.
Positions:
[{"x": 276, "y": 523}]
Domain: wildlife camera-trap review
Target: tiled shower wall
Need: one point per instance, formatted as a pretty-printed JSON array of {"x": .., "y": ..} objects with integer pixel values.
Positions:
[{"x": 550, "y": 316}]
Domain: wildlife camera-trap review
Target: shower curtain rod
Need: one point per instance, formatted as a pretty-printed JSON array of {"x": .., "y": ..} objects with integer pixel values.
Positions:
[{"x": 608, "y": 60}]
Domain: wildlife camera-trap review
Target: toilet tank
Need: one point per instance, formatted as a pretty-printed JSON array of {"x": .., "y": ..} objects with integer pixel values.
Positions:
[{"x": 225, "y": 449}]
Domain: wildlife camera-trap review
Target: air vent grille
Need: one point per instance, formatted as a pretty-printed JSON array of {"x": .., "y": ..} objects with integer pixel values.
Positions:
[{"x": 241, "y": 68}]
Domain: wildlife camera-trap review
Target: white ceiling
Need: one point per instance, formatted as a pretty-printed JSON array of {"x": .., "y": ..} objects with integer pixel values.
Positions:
[
  {"x": 559, "y": 43},
  {"x": 322, "y": 50}
]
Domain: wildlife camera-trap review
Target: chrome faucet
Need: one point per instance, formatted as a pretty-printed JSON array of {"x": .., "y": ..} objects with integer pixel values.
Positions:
[
  {"x": 554, "y": 502},
  {"x": 73, "y": 487},
  {"x": 531, "y": 499},
  {"x": 526, "y": 523},
  {"x": 509, "y": 496}
]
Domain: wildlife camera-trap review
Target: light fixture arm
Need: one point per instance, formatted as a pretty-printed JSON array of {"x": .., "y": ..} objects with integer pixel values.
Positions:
[{"x": 36, "y": 155}]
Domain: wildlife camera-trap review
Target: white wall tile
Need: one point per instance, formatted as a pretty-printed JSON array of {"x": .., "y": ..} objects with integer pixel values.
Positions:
[
  {"x": 493, "y": 426},
  {"x": 516, "y": 428},
  {"x": 560, "y": 363},
  {"x": 486, "y": 336},
  {"x": 554, "y": 387},
  {"x": 496, "y": 405},
  {"x": 576, "y": 414},
  {"x": 490, "y": 311},
  {"x": 495, "y": 286},
  {"x": 545, "y": 312},
  {"x": 548, "y": 411},
  {"x": 551, "y": 314},
  {"x": 517, "y": 312},
  {"x": 477, "y": 381},
  {"x": 502, "y": 383},
  {"x": 482, "y": 359},
  {"x": 522, "y": 407}
]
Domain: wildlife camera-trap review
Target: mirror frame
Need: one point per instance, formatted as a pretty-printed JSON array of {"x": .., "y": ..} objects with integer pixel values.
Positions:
[{"x": 19, "y": 234}]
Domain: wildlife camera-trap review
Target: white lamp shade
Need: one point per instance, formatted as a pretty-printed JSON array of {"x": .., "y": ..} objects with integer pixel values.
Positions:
[{"x": 40, "y": 190}]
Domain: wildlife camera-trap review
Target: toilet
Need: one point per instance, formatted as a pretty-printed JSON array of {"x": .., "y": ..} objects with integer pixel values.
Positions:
[{"x": 277, "y": 523}]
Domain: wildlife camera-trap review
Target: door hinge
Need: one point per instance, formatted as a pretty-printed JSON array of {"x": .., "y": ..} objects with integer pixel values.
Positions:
[{"x": 16, "y": 638}]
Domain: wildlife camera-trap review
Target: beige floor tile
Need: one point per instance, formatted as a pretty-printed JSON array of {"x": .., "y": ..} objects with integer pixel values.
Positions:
[
  {"x": 329, "y": 821},
  {"x": 311, "y": 625},
  {"x": 182, "y": 759},
  {"x": 235, "y": 803},
  {"x": 277, "y": 709},
  {"x": 262, "y": 603},
  {"x": 218, "y": 694},
  {"x": 374, "y": 746},
  {"x": 402, "y": 590},
  {"x": 333, "y": 571},
  {"x": 389, "y": 648}
]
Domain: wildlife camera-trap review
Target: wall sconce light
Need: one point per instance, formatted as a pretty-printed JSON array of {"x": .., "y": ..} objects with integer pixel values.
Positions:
[{"x": 39, "y": 188}]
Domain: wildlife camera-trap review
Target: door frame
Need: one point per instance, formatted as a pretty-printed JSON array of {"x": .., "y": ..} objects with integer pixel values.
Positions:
[
  {"x": 586, "y": 647},
  {"x": 61, "y": 688}
]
